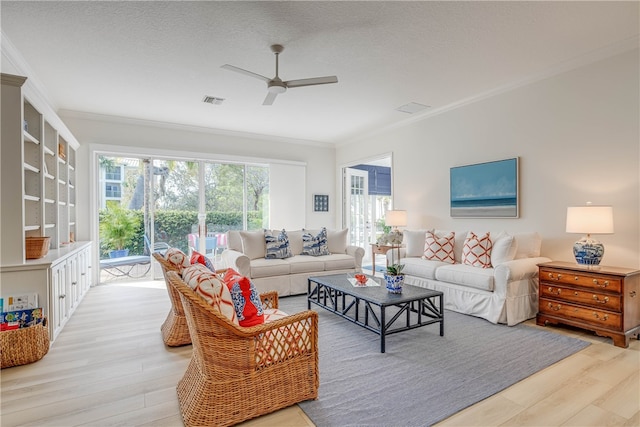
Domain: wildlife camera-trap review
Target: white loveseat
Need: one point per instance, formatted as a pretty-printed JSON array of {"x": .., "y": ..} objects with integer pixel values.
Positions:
[
  {"x": 506, "y": 292},
  {"x": 246, "y": 251}
]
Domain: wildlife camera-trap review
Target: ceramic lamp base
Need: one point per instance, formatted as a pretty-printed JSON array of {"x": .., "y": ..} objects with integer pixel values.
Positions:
[{"x": 588, "y": 251}]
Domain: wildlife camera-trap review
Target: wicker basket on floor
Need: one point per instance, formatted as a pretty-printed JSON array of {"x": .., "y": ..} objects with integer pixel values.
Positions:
[{"x": 24, "y": 345}]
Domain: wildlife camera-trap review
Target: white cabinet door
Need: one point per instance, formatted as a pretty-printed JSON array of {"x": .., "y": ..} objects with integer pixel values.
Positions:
[
  {"x": 73, "y": 282},
  {"x": 59, "y": 311}
]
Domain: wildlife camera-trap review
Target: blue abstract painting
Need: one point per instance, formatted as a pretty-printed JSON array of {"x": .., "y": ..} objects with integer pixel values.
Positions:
[{"x": 485, "y": 190}]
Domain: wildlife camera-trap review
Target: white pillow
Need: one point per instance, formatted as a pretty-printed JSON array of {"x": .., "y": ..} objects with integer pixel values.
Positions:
[
  {"x": 253, "y": 244},
  {"x": 504, "y": 248},
  {"x": 337, "y": 241},
  {"x": 413, "y": 241}
]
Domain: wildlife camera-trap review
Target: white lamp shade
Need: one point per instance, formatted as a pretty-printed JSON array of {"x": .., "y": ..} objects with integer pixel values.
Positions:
[
  {"x": 396, "y": 218},
  {"x": 590, "y": 219}
]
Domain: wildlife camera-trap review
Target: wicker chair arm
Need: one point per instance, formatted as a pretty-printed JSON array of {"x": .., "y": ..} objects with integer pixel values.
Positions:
[{"x": 269, "y": 299}]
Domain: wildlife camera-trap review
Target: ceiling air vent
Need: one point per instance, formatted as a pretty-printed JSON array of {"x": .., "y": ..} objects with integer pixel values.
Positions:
[
  {"x": 212, "y": 100},
  {"x": 412, "y": 107}
]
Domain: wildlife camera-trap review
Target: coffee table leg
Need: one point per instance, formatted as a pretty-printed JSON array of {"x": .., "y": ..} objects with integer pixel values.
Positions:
[
  {"x": 441, "y": 315},
  {"x": 383, "y": 328}
]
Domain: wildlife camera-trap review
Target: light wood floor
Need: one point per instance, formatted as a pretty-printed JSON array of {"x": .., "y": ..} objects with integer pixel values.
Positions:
[{"x": 109, "y": 367}]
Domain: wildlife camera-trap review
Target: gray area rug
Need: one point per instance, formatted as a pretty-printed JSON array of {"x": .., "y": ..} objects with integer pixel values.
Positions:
[{"x": 422, "y": 378}]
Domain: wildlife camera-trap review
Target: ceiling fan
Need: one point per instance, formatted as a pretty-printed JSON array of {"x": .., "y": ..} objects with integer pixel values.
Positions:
[{"x": 275, "y": 85}]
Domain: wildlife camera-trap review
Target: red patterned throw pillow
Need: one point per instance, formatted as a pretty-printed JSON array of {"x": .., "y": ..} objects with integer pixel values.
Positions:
[
  {"x": 209, "y": 287},
  {"x": 198, "y": 258},
  {"x": 178, "y": 258},
  {"x": 439, "y": 248},
  {"x": 246, "y": 300},
  {"x": 477, "y": 250}
]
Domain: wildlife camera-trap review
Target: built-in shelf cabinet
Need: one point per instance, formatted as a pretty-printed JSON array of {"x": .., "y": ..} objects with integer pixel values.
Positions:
[{"x": 38, "y": 184}]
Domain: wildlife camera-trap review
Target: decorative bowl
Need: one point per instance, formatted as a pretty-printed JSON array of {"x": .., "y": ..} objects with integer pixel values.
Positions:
[{"x": 361, "y": 278}]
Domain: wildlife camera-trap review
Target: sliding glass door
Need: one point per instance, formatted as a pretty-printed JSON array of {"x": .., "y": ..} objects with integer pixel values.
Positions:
[{"x": 188, "y": 204}]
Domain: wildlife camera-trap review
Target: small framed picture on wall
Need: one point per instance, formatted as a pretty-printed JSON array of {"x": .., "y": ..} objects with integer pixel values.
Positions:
[{"x": 321, "y": 203}]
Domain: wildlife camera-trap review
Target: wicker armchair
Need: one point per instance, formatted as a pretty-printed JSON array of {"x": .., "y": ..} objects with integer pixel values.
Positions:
[
  {"x": 175, "y": 331},
  {"x": 239, "y": 373}
]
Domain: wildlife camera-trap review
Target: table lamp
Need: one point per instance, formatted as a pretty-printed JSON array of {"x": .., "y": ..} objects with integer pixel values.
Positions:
[
  {"x": 589, "y": 220},
  {"x": 395, "y": 219}
]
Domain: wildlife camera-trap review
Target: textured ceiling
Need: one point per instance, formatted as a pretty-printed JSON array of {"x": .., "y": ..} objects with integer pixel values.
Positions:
[{"x": 157, "y": 60}]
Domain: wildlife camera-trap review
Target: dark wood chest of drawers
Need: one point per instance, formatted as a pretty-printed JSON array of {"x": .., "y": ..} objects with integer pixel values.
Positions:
[{"x": 605, "y": 300}]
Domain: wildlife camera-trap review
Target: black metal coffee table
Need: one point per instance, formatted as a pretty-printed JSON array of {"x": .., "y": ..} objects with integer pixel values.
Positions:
[{"x": 417, "y": 306}]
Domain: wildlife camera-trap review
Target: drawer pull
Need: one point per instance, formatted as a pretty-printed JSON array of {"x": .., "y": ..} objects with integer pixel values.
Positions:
[
  {"x": 558, "y": 292},
  {"x": 603, "y": 318},
  {"x": 558, "y": 307},
  {"x": 558, "y": 277},
  {"x": 632, "y": 294},
  {"x": 603, "y": 285},
  {"x": 576, "y": 278},
  {"x": 603, "y": 301},
  {"x": 62, "y": 296},
  {"x": 575, "y": 294}
]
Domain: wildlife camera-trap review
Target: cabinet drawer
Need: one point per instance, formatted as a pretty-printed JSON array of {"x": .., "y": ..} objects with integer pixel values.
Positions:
[
  {"x": 592, "y": 281},
  {"x": 585, "y": 297},
  {"x": 601, "y": 318}
]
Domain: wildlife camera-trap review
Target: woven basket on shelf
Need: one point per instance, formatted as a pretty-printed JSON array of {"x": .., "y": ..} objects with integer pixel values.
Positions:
[
  {"x": 24, "y": 345},
  {"x": 36, "y": 247}
]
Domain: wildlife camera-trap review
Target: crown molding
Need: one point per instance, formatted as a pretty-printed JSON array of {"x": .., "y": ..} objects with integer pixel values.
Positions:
[{"x": 105, "y": 118}]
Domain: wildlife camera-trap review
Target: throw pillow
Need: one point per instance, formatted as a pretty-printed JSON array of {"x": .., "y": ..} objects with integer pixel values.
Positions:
[
  {"x": 414, "y": 242},
  {"x": 504, "y": 249},
  {"x": 277, "y": 246},
  {"x": 198, "y": 258},
  {"x": 246, "y": 300},
  {"x": 439, "y": 248},
  {"x": 177, "y": 258},
  {"x": 315, "y": 245},
  {"x": 209, "y": 287},
  {"x": 253, "y": 244},
  {"x": 337, "y": 241},
  {"x": 477, "y": 250}
]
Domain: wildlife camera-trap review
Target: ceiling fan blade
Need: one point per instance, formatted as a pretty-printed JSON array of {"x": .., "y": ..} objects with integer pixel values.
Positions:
[
  {"x": 311, "y": 82},
  {"x": 271, "y": 96},
  {"x": 245, "y": 72}
]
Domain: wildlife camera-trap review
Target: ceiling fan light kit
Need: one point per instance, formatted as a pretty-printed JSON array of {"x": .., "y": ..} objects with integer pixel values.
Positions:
[{"x": 276, "y": 86}]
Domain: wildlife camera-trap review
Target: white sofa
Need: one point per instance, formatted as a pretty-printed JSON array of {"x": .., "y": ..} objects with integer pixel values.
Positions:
[
  {"x": 246, "y": 251},
  {"x": 506, "y": 292}
]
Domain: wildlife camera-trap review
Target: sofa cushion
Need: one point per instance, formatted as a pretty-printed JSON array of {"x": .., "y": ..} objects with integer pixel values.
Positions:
[
  {"x": 413, "y": 241},
  {"x": 211, "y": 289},
  {"x": 277, "y": 245},
  {"x": 305, "y": 264},
  {"x": 234, "y": 241},
  {"x": 504, "y": 248},
  {"x": 439, "y": 248},
  {"x": 262, "y": 267},
  {"x": 337, "y": 241},
  {"x": 315, "y": 245},
  {"x": 246, "y": 300},
  {"x": 477, "y": 250},
  {"x": 198, "y": 258},
  {"x": 177, "y": 258},
  {"x": 466, "y": 275},
  {"x": 421, "y": 267},
  {"x": 338, "y": 262},
  {"x": 528, "y": 245},
  {"x": 253, "y": 244}
]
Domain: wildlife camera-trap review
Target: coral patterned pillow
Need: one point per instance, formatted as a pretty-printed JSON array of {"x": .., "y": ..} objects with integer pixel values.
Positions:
[
  {"x": 177, "y": 258},
  {"x": 209, "y": 287},
  {"x": 246, "y": 300},
  {"x": 198, "y": 258},
  {"x": 439, "y": 248},
  {"x": 477, "y": 250}
]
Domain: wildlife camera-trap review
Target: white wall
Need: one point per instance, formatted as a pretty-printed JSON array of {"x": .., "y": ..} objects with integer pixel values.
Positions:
[
  {"x": 577, "y": 137},
  {"x": 135, "y": 137}
]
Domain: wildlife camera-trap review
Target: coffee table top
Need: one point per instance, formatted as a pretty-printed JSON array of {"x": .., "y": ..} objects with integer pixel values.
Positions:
[{"x": 375, "y": 294}]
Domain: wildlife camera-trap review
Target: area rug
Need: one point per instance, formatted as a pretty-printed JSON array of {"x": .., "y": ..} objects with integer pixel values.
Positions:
[{"x": 422, "y": 378}]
